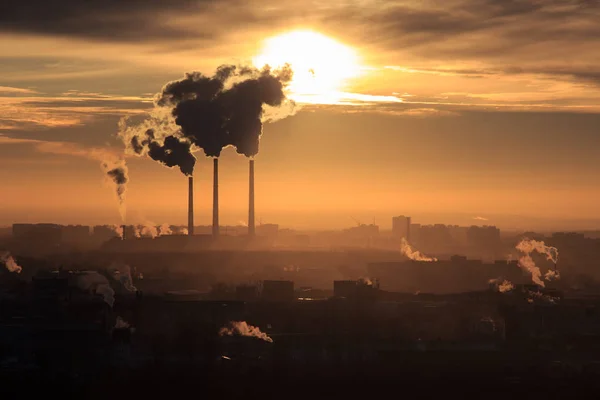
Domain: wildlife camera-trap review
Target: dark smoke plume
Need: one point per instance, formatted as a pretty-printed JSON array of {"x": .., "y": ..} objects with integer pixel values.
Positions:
[
  {"x": 208, "y": 112},
  {"x": 117, "y": 173},
  {"x": 227, "y": 108}
]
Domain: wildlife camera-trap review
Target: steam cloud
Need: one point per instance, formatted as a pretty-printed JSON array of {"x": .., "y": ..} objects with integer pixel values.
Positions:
[
  {"x": 211, "y": 113},
  {"x": 118, "y": 230},
  {"x": 241, "y": 328},
  {"x": 93, "y": 282},
  {"x": 10, "y": 263},
  {"x": 117, "y": 173},
  {"x": 502, "y": 286},
  {"x": 164, "y": 230},
  {"x": 413, "y": 254},
  {"x": 528, "y": 246},
  {"x": 121, "y": 323}
]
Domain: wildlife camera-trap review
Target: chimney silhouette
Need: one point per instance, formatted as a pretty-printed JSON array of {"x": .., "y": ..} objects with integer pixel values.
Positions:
[
  {"x": 191, "y": 206},
  {"x": 251, "y": 230},
  {"x": 215, "y": 223}
]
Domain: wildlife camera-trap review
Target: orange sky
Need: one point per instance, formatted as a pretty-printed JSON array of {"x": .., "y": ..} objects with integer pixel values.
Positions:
[{"x": 476, "y": 108}]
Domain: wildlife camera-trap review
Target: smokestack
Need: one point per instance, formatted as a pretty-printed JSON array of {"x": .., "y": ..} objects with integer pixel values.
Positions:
[
  {"x": 123, "y": 235},
  {"x": 191, "y": 206},
  {"x": 251, "y": 230},
  {"x": 215, "y": 226}
]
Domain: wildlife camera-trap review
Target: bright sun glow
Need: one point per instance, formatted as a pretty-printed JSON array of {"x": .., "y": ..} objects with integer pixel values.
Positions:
[{"x": 321, "y": 65}]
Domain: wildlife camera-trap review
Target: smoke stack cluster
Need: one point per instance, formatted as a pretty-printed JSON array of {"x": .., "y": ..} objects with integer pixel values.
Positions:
[
  {"x": 227, "y": 109},
  {"x": 191, "y": 206},
  {"x": 251, "y": 227}
]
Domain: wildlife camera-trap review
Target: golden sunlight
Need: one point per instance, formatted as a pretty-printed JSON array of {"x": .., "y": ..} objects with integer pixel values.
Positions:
[{"x": 321, "y": 65}]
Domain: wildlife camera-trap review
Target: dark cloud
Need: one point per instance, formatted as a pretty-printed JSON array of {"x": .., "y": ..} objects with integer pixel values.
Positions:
[{"x": 106, "y": 19}]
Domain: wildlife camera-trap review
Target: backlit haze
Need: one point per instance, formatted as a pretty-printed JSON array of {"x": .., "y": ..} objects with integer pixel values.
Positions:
[{"x": 480, "y": 112}]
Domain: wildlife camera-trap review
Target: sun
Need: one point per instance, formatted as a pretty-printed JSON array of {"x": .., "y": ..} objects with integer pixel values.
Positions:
[{"x": 322, "y": 66}]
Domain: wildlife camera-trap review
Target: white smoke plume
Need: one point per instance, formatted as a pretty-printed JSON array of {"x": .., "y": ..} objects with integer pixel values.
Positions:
[
  {"x": 413, "y": 254},
  {"x": 9, "y": 262},
  {"x": 148, "y": 231},
  {"x": 164, "y": 230},
  {"x": 527, "y": 263},
  {"x": 241, "y": 328},
  {"x": 118, "y": 230},
  {"x": 551, "y": 275},
  {"x": 93, "y": 282},
  {"x": 528, "y": 246},
  {"x": 502, "y": 286},
  {"x": 159, "y": 119},
  {"x": 183, "y": 231}
]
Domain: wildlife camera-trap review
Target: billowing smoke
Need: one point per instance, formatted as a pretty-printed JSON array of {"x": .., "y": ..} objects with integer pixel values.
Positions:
[
  {"x": 502, "y": 285},
  {"x": 526, "y": 262},
  {"x": 9, "y": 262},
  {"x": 183, "y": 231},
  {"x": 164, "y": 230},
  {"x": 95, "y": 283},
  {"x": 148, "y": 230},
  {"x": 116, "y": 172},
  {"x": 413, "y": 254},
  {"x": 551, "y": 275},
  {"x": 118, "y": 230},
  {"x": 241, "y": 328},
  {"x": 210, "y": 113}
]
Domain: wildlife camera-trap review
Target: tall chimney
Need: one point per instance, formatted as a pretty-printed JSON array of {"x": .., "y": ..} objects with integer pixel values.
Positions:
[
  {"x": 251, "y": 230},
  {"x": 215, "y": 224},
  {"x": 191, "y": 206}
]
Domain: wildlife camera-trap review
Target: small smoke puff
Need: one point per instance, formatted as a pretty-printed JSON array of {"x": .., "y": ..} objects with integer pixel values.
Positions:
[
  {"x": 505, "y": 286},
  {"x": 241, "y": 328},
  {"x": 502, "y": 286},
  {"x": 551, "y": 275},
  {"x": 10, "y": 263},
  {"x": 117, "y": 173},
  {"x": 121, "y": 324},
  {"x": 164, "y": 230}
]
